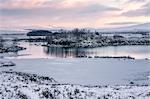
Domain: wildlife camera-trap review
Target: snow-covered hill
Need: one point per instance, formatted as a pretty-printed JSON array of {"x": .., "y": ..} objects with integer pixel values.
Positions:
[{"x": 139, "y": 27}]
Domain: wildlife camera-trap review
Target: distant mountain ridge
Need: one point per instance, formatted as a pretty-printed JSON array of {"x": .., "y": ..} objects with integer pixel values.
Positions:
[
  {"x": 139, "y": 27},
  {"x": 133, "y": 28}
]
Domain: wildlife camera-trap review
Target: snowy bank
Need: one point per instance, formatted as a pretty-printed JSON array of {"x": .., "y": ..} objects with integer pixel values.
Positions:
[{"x": 16, "y": 85}]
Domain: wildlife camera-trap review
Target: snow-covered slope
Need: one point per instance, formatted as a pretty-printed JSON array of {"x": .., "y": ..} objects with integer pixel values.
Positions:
[
  {"x": 17, "y": 85},
  {"x": 139, "y": 27},
  {"x": 145, "y": 26}
]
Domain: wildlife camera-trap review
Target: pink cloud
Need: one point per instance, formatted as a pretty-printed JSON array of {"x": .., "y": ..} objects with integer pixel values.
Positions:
[{"x": 62, "y": 12}]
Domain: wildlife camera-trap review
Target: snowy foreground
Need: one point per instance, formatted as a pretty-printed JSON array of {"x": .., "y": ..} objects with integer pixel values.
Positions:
[
  {"x": 18, "y": 85},
  {"x": 74, "y": 79}
]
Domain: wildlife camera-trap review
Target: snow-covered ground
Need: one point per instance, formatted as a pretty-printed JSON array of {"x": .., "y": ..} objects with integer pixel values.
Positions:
[{"x": 17, "y": 85}]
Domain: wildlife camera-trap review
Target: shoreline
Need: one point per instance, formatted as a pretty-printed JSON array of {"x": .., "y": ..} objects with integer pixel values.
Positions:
[
  {"x": 24, "y": 85},
  {"x": 97, "y": 46}
]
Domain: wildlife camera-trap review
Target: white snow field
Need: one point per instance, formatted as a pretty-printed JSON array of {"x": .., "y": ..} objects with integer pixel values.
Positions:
[
  {"x": 75, "y": 79},
  {"x": 17, "y": 85}
]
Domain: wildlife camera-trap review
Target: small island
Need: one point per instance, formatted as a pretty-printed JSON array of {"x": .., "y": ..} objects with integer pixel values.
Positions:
[{"x": 86, "y": 39}]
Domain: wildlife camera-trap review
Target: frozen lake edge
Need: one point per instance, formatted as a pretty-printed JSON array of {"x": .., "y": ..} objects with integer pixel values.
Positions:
[
  {"x": 86, "y": 71},
  {"x": 31, "y": 86}
]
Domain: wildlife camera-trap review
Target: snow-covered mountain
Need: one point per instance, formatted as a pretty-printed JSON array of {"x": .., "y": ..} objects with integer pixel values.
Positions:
[{"x": 139, "y": 27}]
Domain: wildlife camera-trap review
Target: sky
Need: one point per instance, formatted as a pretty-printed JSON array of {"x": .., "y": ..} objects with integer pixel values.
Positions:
[{"x": 74, "y": 13}]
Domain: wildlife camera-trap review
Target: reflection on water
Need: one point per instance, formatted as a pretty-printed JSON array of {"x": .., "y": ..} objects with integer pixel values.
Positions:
[
  {"x": 37, "y": 51},
  {"x": 61, "y": 52},
  {"x": 138, "y": 52},
  {"x": 67, "y": 52}
]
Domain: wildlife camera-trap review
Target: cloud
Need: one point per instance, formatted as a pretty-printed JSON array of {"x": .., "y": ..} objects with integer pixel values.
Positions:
[
  {"x": 50, "y": 8},
  {"x": 142, "y": 11},
  {"x": 136, "y": 0},
  {"x": 68, "y": 12},
  {"x": 20, "y": 3},
  {"x": 122, "y": 23},
  {"x": 96, "y": 8}
]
